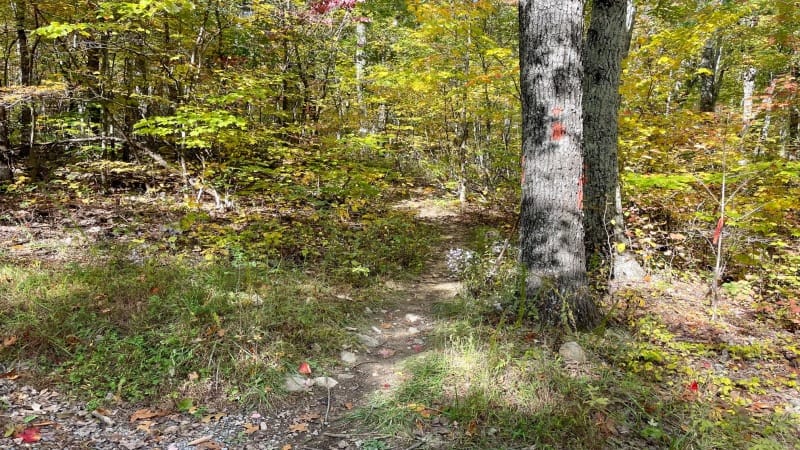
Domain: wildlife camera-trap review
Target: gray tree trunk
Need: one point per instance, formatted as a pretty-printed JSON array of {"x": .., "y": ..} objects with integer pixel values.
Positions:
[
  {"x": 710, "y": 75},
  {"x": 607, "y": 43},
  {"x": 551, "y": 223}
]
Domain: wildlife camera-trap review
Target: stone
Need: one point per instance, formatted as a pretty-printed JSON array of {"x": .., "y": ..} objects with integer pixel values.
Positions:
[
  {"x": 572, "y": 352},
  {"x": 326, "y": 382},
  {"x": 348, "y": 357},
  {"x": 368, "y": 341},
  {"x": 296, "y": 383}
]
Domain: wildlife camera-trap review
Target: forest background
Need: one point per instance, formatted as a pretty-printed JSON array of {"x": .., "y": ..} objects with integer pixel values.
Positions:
[{"x": 270, "y": 136}]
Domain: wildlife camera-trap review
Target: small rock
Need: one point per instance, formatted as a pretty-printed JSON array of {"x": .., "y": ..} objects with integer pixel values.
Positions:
[
  {"x": 368, "y": 341},
  {"x": 572, "y": 352},
  {"x": 413, "y": 330},
  {"x": 296, "y": 383},
  {"x": 346, "y": 376},
  {"x": 348, "y": 357},
  {"x": 411, "y": 318},
  {"x": 326, "y": 382}
]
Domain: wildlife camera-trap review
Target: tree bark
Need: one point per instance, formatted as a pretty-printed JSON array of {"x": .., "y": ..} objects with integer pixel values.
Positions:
[
  {"x": 551, "y": 227},
  {"x": 748, "y": 87},
  {"x": 25, "y": 74},
  {"x": 607, "y": 43},
  {"x": 710, "y": 75}
]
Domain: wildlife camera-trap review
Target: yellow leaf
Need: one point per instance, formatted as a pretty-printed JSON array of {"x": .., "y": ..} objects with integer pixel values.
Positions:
[
  {"x": 249, "y": 428},
  {"x": 621, "y": 247}
]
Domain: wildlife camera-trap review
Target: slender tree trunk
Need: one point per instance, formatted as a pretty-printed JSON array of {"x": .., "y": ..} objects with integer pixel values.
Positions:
[
  {"x": 360, "y": 63},
  {"x": 748, "y": 87},
  {"x": 551, "y": 223},
  {"x": 607, "y": 43},
  {"x": 793, "y": 124},
  {"x": 711, "y": 73},
  {"x": 25, "y": 75},
  {"x": 6, "y": 173}
]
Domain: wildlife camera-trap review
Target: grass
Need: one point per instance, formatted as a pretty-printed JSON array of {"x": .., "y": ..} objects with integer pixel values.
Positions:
[
  {"x": 131, "y": 323},
  {"x": 139, "y": 331},
  {"x": 500, "y": 383}
]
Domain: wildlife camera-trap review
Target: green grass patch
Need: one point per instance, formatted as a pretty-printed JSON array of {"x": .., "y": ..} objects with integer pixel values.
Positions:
[{"x": 139, "y": 331}]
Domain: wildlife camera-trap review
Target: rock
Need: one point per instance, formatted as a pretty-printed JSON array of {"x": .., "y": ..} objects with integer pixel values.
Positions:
[
  {"x": 572, "y": 352},
  {"x": 368, "y": 341},
  {"x": 296, "y": 383},
  {"x": 326, "y": 382},
  {"x": 348, "y": 357},
  {"x": 411, "y": 318},
  {"x": 413, "y": 330},
  {"x": 627, "y": 269}
]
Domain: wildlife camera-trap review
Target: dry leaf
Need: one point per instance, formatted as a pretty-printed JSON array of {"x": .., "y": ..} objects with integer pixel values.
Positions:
[
  {"x": 193, "y": 376},
  {"x": 249, "y": 428},
  {"x": 146, "y": 414},
  {"x": 10, "y": 375},
  {"x": 386, "y": 325},
  {"x": 9, "y": 341},
  {"x": 304, "y": 368},
  {"x": 298, "y": 428},
  {"x": 145, "y": 425},
  {"x": 309, "y": 416},
  {"x": 348, "y": 405},
  {"x": 287, "y": 447},
  {"x": 210, "y": 445},
  {"x": 216, "y": 417}
]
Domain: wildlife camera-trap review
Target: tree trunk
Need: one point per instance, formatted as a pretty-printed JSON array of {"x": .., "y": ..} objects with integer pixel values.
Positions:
[
  {"x": 710, "y": 75},
  {"x": 748, "y": 87},
  {"x": 607, "y": 43},
  {"x": 25, "y": 75},
  {"x": 6, "y": 173},
  {"x": 551, "y": 227}
]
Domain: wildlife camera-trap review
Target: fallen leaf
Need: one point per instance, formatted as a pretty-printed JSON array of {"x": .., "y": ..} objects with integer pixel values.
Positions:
[
  {"x": 472, "y": 427},
  {"x": 216, "y": 417},
  {"x": 10, "y": 375},
  {"x": 287, "y": 447},
  {"x": 8, "y": 341},
  {"x": 417, "y": 348},
  {"x": 348, "y": 405},
  {"x": 210, "y": 445},
  {"x": 304, "y": 368},
  {"x": 309, "y": 416},
  {"x": 298, "y": 427},
  {"x": 146, "y": 414},
  {"x": 145, "y": 425},
  {"x": 386, "y": 353},
  {"x": 30, "y": 435},
  {"x": 249, "y": 428},
  {"x": 386, "y": 325},
  {"x": 193, "y": 376}
]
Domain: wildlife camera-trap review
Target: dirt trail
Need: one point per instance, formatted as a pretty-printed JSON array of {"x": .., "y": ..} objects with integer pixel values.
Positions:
[{"x": 313, "y": 418}]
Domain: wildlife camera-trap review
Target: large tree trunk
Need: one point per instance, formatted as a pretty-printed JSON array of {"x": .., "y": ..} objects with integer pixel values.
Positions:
[
  {"x": 607, "y": 43},
  {"x": 748, "y": 88},
  {"x": 551, "y": 227}
]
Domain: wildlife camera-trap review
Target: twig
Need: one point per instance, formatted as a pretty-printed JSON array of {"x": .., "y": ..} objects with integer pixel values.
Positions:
[
  {"x": 201, "y": 440},
  {"x": 328, "y": 406}
]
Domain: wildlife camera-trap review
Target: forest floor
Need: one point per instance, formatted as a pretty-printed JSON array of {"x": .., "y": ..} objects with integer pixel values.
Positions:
[{"x": 429, "y": 372}]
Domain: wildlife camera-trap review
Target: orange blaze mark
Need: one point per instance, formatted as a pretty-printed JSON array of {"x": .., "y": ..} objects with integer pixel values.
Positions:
[
  {"x": 581, "y": 181},
  {"x": 522, "y": 164},
  {"x": 558, "y": 131}
]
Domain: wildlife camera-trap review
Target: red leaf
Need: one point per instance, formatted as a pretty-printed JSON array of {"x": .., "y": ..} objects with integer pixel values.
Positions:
[
  {"x": 30, "y": 435},
  {"x": 304, "y": 368},
  {"x": 693, "y": 387}
]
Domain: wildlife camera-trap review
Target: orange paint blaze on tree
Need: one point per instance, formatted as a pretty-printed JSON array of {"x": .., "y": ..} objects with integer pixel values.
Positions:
[{"x": 558, "y": 131}]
